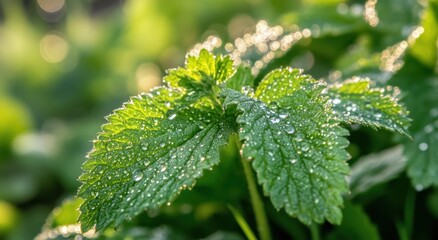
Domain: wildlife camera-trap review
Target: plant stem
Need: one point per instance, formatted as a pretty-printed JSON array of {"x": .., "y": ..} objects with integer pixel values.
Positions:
[
  {"x": 242, "y": 223},
  {"x": 314, "y": 231},
  {"x": 405, "y": 228},
  {"x": 256, "y": 201}
]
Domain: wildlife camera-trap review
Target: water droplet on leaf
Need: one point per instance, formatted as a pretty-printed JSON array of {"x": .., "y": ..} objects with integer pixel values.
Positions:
[
  {"x": 137, "y": 176},
  {"x": 247, "y": 90},
  {"x": 283, "y": 115},
  {"x": 172, "y": 116},
  {"x": 275, "y": 120},
  {"x": 305, "y": 147},
  {"x": 423, "y": 146},
  {"x": 144, "y": 146},
  {"x": 428, "y": 128},
  {"x": 290, "y": 130},
  {"x": 336, "y": 101}
]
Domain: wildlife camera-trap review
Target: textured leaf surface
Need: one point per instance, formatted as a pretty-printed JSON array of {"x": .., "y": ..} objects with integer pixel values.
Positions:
[
  {"x": 201, "y": 72},
  {"x": 149, "y": 151},
  {"x": 422, "y": 155},
  {"x": 296, "y": 148},
  {"x": 354, "y": 101},
  {"x": 419, "y": 81}
]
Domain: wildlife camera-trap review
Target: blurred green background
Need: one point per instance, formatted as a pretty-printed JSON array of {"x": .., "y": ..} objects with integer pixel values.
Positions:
[{"x": 64, "y": 65}]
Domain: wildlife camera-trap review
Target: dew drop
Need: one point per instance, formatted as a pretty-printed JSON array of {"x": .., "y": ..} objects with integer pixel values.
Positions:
[
  {"x": 336, "y": 101},
  {"x": 162, "y": 144},
  {"x": 316, "y": 200},
  {"x": 419, "y": 187},
  {"x": 290, "y": 130},
  {"x": 271, "y": 154},
  {"x": 378, "y": 115},
  {"x": 137, "y": 176},
  {"x": 202, "y": 159},
  {"x": 144, "y": 146},
  {"x": 423, "y": 146},
  {"x": 293, "y": 161},
  {"x": 428, "y": 128},
  {"x": 247, "y": 90},
  {"x": 275, "y": 120},
  {"x": 305, "y": 147},
  {"x": 163, "y": 169},
  {"x": 283, "y": 115},
  {"x": 172, "y": 116},
  {"x": 434, "y": 112}
]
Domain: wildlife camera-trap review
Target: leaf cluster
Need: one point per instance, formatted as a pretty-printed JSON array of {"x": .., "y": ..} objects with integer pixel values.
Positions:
[{"x": 290, "y": 128}]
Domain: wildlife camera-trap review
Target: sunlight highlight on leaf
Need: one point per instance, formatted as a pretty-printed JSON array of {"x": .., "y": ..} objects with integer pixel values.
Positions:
[
  {"x": 354, "y": 101},
  {"x": 297, "y": 149},
  {"x": 146, "y": 155}
]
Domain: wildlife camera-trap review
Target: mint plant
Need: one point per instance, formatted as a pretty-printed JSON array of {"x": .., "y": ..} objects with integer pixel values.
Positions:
[{"x": 290, "y": 130}]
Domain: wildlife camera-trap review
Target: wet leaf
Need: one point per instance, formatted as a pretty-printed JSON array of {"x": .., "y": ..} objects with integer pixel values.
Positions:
[
  {"x": 150, "y": 150},
  {"x": 354, "y": 101},
  {"x": 296, "y": 147},
  {"x": 201, "y": 72},
  {"x": 422, "y": 155},
  {"x": 418, "y": 79}
]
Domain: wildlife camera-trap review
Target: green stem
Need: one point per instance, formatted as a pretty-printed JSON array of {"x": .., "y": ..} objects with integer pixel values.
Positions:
[
  {"x": 256, "y": 201},
  {"x": 405, "y": 228},
  {"x": 314, "y": 232},
  {"x": 242, "y": 223}
]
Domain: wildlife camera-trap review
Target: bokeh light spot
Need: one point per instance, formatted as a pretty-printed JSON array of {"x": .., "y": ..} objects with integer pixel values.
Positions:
[
  {"x": 148, "y": 75},
  {"x": 51, "y": 6},
  {"x": 53, "y": 48}
]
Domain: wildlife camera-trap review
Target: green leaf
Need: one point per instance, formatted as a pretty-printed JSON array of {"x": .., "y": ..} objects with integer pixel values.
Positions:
[
  {"x": 201, "y": 72},
  {"x": 138, "y": 232},
  {"x": 296, "y": 147},
  {"x": 377, "y": 168},
  {"x": 356, "y": 225},
  {"x": 241, "y": 78},
  {"x": 354, "y": 101},
  {"x": 150, "y": 150},
  {"x": 418, "y": 80},
  {"x": 422, "y": 156}
]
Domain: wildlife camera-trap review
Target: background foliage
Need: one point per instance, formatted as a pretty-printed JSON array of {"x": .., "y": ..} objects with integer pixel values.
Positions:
[{"x": 65, "y": 64}]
